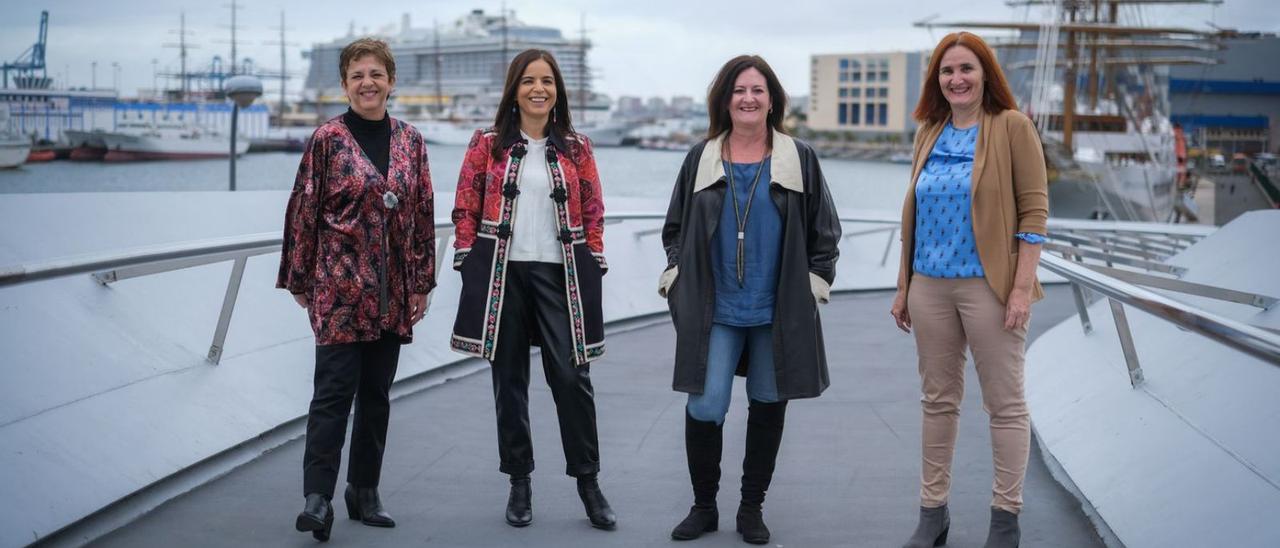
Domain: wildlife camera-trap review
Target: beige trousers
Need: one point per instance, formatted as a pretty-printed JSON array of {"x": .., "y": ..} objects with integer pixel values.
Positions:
[{"x": 947, "y": 315}]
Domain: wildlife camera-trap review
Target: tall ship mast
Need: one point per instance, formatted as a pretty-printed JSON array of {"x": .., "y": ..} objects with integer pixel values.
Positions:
[{"x": 1093, "y": 75}]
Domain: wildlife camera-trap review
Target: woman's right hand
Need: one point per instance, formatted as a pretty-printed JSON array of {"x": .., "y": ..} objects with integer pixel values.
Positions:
[
  {"x": 899, "y": 311},
  {"x": 301, "y": 299}
]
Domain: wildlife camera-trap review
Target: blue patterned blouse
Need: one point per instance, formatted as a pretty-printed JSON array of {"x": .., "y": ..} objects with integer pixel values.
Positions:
[{"x": 944, "y": 243}]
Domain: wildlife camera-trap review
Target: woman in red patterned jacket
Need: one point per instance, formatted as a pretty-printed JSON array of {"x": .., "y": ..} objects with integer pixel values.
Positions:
[
  {"x": 359, "y": 255},
  {"x": 530, "y": 241}
]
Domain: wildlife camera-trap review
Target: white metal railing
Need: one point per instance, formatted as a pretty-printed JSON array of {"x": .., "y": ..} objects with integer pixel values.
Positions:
[
  {"x": 1134, "y": 245},
  {"x": 107, "y": 268},
  {"x": 1147, "y": 250}
]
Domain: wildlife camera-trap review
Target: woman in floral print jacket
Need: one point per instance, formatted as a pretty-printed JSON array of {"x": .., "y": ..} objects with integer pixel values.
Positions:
[
  {"x": 529, "y": 243},
  {"x": 359, "y": 255}
]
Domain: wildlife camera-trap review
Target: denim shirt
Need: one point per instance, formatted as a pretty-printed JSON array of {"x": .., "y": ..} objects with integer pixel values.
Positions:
[{"x": 751, "y": 304}]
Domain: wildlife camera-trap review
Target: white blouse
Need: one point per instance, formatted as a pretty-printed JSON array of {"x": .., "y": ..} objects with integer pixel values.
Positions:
[{"x": 534, "y": 236}]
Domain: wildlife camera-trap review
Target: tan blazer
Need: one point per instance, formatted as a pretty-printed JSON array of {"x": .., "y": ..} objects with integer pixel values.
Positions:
[{"x": 1009, "y": 191}]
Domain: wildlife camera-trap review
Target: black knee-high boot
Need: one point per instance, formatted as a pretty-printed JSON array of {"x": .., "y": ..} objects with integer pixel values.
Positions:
[
  {"x": 703, "y": 442},
  {"x": 764, "y": 436}
]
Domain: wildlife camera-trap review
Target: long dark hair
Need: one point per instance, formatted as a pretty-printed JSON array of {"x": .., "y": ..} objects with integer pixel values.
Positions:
[
  {"x": 721, "y": 91},
  {"x": 996, "y": 95},
  {"x": 507, "y": 122}
]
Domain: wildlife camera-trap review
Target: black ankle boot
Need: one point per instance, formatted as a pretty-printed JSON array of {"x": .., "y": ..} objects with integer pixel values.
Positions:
[
  {"x": 520, "y": 502},
  {"x": 1004, "y": 532},
  {"x": 364, "y": 504},
  {"x": 598, "y": 510},
  {"x": 764, "y": 435},
  {"x": 703, "y": 442},
  {"x": 316, "y": 516}
]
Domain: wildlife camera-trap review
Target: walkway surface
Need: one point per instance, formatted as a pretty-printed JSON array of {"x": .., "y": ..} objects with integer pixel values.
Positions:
[{"x": 847, "y": 473}]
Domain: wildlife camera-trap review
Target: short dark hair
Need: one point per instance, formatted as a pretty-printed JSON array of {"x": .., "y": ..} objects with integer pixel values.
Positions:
[
  {"x": 722, "y": 89},
  {"x": 507, "y": 120},
  {"x": 367, "y": 46}
]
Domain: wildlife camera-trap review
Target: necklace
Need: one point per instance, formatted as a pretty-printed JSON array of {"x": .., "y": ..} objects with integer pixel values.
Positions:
[{"x": 741, "y": 217}]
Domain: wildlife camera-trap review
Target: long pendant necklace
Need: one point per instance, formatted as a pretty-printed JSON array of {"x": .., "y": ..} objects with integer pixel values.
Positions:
[{"x": 741, "y": 217}]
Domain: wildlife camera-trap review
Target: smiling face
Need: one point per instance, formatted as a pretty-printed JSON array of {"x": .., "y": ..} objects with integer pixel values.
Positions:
[
  {"x": 749, "y": 103},
  {"x": 367, "y": 86},
  {"x": 961, "y": 78},
  {"x": 536, "y": 92}
]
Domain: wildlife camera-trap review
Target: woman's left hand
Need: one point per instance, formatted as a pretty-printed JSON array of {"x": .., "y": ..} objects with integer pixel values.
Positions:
[
  {"x": 1018, "y": 309},
  {"x": 418, "y": 305}
]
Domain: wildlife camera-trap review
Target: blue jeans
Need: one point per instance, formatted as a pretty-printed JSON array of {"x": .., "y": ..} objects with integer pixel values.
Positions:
[{"x": 726, "y": 345}]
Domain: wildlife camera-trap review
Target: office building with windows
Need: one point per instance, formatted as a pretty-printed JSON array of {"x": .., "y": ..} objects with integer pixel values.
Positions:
[{"x": 869, "y": 94}]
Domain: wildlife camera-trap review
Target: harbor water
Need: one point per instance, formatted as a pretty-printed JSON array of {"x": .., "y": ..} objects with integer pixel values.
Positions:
[{"x": 639, "y": 176}]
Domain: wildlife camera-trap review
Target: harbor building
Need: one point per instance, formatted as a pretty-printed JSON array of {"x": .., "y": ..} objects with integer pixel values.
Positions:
[
  {"x": 868, "y": 94},
  {"x": 1233, "y": 106}
]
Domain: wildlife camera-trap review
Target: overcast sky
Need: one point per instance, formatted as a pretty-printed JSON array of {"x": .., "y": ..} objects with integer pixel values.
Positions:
[{"x": 645, "y": 48}]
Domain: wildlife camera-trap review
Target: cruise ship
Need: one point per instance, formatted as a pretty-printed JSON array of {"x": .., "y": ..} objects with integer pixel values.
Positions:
[{"x": 449, "y": 78}]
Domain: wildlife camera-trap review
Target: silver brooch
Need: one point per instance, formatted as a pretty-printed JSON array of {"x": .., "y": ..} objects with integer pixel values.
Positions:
[{"x": 389, "y": 199}]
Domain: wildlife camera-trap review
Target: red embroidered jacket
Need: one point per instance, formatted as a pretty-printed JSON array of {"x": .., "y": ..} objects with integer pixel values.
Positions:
[
  {"x": 487, "y": 197},
  {"x": 480, "y": 190},
  {"x": 353, "y": 249}
]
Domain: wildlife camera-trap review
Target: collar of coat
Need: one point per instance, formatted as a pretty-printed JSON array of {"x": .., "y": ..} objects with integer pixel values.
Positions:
[
  {"x": 553, "y": 137},
  {"x": 784, "y": 168}
]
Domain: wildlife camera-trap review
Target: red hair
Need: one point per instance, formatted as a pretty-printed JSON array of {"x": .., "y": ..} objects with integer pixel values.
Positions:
[{"x": 933, "y": 107}]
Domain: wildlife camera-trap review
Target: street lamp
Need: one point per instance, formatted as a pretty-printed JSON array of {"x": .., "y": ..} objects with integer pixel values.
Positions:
[{"x": 242, "y": 90}]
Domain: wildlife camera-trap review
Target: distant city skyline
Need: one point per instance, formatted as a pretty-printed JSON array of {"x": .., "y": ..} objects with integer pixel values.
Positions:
[{"x": 659, "y": 48}]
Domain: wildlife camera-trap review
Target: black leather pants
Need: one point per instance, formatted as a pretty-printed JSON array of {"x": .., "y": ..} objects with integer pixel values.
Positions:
[
  {"x": 362, "y": 371},
  {"x": 535, "y": 308}
]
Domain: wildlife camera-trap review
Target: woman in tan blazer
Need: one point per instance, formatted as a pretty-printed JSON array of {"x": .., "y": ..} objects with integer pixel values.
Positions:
[{"x": 972, "y": 222}]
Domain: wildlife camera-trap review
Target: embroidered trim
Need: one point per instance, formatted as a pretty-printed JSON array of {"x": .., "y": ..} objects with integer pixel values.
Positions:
[
  {"x": 576, "y": 322},
  {"x": 498, "y": 268}
]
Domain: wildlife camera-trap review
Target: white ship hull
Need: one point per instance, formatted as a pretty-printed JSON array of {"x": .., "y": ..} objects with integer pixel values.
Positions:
[
  {"x": 443, "y": 132},
  {"x": 1103, "y": 188},
  {"x": 123, "y": 147},
  {"x": 13, "y": 152},
  {"x": 606, "y": 134}
]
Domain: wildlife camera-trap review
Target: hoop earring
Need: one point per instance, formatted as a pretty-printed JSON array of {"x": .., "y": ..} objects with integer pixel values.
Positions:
[{"x": 553, "y": 115}]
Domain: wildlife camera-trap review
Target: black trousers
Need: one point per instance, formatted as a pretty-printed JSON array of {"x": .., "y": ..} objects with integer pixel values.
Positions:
[
  {"x": 362, "y": 371},
  {"x": 535, "y": 306}
]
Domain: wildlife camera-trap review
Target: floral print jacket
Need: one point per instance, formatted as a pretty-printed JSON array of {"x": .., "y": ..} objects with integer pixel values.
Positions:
[{"x": 358, "y": 244}]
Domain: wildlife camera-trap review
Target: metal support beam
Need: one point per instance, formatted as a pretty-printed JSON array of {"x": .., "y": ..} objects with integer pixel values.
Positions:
[
  {"x": 888, "y": 245},
  {"x": 1190, "y": 288},
  {"x": 107, "y": 277},
  {"x": 228, "y": 305},
  {"x": 1126, "y": 343},
  {"x": 1147, "y": 265},
  {"x": 1082, "y": 307},
  {"x": 1108, "y": 245}
]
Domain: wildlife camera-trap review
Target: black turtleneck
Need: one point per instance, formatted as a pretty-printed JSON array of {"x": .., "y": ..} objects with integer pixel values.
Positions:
[{"x": 374, "y": 137}]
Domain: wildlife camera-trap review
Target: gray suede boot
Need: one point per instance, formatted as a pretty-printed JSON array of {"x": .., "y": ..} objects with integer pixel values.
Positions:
[
  {"x": 1004, "y": 532},
  {"x": 932, "y": 530}
]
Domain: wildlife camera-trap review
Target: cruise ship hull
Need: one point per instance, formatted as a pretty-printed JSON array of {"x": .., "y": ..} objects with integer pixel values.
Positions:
[
  {"x": 13, "y": 152},
  {"x": 127, "y": 148}
]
